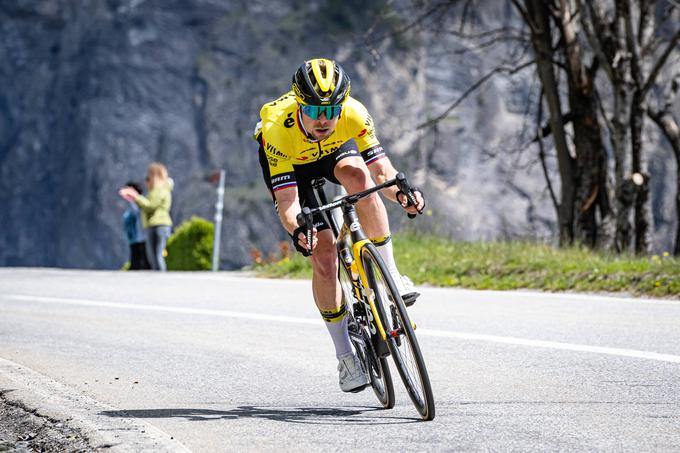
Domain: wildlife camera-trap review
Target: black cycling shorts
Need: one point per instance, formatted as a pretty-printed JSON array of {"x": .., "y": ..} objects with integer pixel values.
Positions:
[{"x": 304, "y": 174}]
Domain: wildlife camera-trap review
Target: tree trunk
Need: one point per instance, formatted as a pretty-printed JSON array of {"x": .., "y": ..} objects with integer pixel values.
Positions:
[
  {"x": 623, "y": 88},
  {"x": 634, "y": 39},
  {"x": 539, "y": 18},
  {"x": 591, "y": 159},
  {"x": 671, "y": 130}
]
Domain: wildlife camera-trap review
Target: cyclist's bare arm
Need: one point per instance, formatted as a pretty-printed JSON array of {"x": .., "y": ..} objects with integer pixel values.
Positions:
[
  {"x": 289, "y": 207},
  {"x": 383, "y": 170}
]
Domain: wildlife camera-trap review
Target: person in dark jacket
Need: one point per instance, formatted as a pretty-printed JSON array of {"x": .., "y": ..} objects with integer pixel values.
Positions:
[{"x": 134, "y": 231}]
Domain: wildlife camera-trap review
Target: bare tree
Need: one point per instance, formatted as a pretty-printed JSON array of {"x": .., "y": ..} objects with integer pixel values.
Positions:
[
  {"x": 610, "y": 53},
  {"x": 591, "y": 193},
  {"x": 668, "y": 124},
  {"x": 585, "y": 174},
  {"x": 622, "y": 36},
  {"x": 608, "y": 41},
  {"x": 537, "y": 17}
]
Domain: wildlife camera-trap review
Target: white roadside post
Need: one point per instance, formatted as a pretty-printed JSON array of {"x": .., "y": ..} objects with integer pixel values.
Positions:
[{"x": 219, "y": 206}]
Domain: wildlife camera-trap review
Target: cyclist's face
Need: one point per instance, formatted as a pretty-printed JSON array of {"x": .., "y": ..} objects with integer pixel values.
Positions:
[{"x": 320, "y": 128}]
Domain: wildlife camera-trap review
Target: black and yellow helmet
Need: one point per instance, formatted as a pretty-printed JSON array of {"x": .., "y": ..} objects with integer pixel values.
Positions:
[{"x": 321, "y": 82}]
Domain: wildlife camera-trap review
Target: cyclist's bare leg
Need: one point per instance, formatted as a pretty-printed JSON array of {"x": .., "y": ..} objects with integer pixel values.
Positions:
[
  {"x": 355, "y": 177},
  {"x": 325, "y": 283},
  {"x": 327, "y": 292}
]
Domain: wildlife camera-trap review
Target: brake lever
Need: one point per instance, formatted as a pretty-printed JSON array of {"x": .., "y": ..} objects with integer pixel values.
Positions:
[
  {"x": 304, "y": 219},
  {"x": 405, "y": 188}
]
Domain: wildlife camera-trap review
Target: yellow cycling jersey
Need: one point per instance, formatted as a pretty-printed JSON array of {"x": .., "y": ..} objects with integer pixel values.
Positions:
[{"x": 286, "y": 144}]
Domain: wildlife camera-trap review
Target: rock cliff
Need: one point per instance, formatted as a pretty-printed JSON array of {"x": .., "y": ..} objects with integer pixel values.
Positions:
[{"x": 92, "y": 91}]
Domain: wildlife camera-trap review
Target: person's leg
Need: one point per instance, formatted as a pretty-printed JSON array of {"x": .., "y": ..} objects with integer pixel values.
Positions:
[
  {"x": 354, "y": 176},
  {"x": 162, "y": 234},
  {"x": 326, "y": 288},
  {"x": 133, "y": 258},
  {"x": 150, "y": 249},
  {"x": 327, "y": 293},
  {"x": 136, "y": 251}
]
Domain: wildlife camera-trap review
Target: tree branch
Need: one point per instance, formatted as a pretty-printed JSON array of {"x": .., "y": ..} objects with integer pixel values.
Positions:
[
  {"x": 660, "y": 62},
  {"x": 473, "y": 88},
  {"x": 541, "y": 152},
  {"x": 417, "y": 21},
  {"x": 592, "y": 22},
  {"x": 525, "y": 15},
  {"x": 489, "y": 43},
  {"x": 547, "y": 129}
]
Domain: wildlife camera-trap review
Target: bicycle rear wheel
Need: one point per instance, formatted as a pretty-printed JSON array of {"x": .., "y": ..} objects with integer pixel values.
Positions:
[
  {"x": 376, "y": 367},
  {"x": 401, "y": 339}
]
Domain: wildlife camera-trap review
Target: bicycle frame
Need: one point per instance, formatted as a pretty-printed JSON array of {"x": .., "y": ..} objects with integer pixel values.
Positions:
[
  {"x": 386, "y": 314},
  {"x": 358, "y": 240}
]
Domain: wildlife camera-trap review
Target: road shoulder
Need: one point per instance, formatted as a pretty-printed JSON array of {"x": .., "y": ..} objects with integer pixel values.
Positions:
[{"x": 38, "y": 405}]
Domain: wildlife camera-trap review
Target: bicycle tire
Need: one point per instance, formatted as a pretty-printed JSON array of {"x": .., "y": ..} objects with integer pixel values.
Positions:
[
  {"x": 404, "y": 346},
  {"x": 378, "y": 368}
]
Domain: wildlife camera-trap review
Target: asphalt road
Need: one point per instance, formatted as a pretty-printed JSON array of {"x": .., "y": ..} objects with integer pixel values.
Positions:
[{"x": 222, "y": 362}]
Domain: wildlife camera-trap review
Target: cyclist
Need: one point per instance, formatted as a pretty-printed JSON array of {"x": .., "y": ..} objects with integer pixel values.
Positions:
[{"x": 318, "y": 130}]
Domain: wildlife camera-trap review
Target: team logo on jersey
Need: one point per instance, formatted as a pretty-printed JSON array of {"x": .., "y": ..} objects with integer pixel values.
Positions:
[
  {"x": 362, "y": 133},
  {"x": 301, "y": 154},
  {"x": 289, "y": 122},
  {"x": 271, "y": 150},
  {"x": 280, "y": 179}
]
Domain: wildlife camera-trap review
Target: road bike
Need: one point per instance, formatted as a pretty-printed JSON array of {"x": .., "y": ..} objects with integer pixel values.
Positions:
[{"x": 379, "y": 324}]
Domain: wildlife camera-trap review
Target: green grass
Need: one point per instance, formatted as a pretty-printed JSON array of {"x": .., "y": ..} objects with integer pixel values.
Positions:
[{"x": 514, "y": 265}]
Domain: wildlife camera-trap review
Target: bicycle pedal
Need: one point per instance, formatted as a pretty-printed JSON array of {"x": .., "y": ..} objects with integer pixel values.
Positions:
[{"x": 410, "y": 298}]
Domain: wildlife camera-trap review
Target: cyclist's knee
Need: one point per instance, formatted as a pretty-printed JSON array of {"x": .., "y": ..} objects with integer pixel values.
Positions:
[
  {"x": 324, "y": 260},
  {"x": 355, "y": 179}
]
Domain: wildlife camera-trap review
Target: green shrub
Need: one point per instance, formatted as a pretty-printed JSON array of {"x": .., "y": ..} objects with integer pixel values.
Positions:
[{"x": 190, "y": 247}]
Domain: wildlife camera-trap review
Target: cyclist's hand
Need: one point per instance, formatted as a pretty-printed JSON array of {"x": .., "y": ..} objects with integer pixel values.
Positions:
[
  {"x": 411, "y": 209},
  {"x": 301, "y": 240}
]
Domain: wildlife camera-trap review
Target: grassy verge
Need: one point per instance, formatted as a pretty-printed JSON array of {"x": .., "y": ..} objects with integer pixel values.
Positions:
[{"x": 513, "y": 265}]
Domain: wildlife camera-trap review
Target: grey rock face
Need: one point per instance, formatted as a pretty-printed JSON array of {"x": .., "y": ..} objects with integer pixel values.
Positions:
[{"x": 92, "y": 91}]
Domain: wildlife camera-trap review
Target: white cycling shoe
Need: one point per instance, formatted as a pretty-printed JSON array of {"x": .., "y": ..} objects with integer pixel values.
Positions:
[
  {"x": 352, "y": 376},
  {"x": 407, "y": 290}
]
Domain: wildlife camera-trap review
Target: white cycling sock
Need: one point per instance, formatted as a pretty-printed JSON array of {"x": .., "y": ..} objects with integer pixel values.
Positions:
[
  {"x": 384, "y": 246},
  {"x": 336, "y": 323}
]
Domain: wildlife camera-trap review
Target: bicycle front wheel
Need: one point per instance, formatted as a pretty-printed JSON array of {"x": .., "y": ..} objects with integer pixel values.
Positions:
[
  {"x": 376, "y": 367},
  {"x": 401, "y": 339}
]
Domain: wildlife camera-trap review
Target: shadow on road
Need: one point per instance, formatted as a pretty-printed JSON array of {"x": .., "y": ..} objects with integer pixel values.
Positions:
[{"x": 307, "y": 415}]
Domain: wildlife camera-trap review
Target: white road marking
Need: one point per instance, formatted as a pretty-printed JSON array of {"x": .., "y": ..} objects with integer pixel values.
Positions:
[
  {"x": 168, "y": 309},
  {"x": 533, "y": 296},
  {"x": 425, "y": 332},
  {"x": 552, "y": 345}
]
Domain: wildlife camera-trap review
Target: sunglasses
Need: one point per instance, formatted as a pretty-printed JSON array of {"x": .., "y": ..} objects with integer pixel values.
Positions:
[{"x": 315, "y": 111}]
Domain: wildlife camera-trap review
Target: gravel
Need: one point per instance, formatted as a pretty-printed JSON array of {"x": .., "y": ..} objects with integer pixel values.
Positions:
[{"x": 24, "y": 430}]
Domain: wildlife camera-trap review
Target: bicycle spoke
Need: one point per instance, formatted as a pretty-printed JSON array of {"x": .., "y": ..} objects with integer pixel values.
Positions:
[
  {"x": 401, "y": 338},
  {"x": 381, "y": 380}
]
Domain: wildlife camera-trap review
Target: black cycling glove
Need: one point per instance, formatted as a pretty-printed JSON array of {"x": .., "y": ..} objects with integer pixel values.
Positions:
[
  {"x": 408, "y": 202},
  {"x": 296, "y": 240}
]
